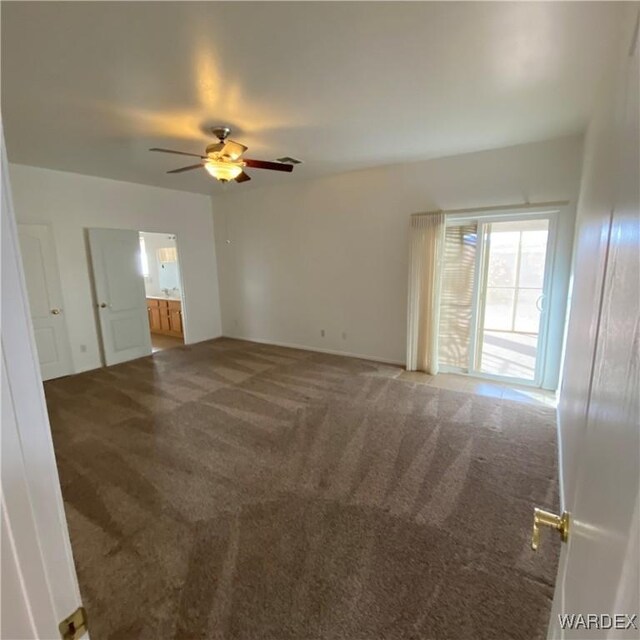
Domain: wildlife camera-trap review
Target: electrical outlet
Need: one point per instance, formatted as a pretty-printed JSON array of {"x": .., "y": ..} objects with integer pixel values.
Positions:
[{"x": 322, "y": 332}]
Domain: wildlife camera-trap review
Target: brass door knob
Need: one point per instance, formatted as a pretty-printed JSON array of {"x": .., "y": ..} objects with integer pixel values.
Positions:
[
  {"x": 547, "y": 519},
  {"x": 103, "y": 305},
  {"x": 56, "y": 312}
]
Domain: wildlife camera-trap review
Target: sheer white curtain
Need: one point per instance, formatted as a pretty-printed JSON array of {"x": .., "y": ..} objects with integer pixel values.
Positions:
[{"x": 426, "y": 248}]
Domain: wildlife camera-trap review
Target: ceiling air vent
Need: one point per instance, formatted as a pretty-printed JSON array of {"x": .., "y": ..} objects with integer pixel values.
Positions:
[{"x": 289, "y": 160}]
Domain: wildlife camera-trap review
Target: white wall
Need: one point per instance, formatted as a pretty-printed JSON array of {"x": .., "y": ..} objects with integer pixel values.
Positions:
[
  {"x": 71, "y": 203},
  {"x": 332, "y": 253}
]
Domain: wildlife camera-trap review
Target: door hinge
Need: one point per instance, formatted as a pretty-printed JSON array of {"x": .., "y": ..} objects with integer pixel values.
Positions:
[{"x": 75, "y": 625}]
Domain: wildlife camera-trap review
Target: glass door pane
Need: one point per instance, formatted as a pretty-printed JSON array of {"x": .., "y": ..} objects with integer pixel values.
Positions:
[{"x": 511, "y": 298}]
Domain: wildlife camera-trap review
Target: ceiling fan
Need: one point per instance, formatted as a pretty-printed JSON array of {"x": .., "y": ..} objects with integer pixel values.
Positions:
[{"x": 224, "y": 161}]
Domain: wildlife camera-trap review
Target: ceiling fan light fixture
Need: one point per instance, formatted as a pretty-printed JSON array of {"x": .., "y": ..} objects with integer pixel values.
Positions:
[
  {"x": 224, "y": 171},
  {"x": 224, "y": 160}
]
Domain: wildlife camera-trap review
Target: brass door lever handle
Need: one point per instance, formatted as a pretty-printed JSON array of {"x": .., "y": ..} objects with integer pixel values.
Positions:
[{"x": 548, "y": 519}]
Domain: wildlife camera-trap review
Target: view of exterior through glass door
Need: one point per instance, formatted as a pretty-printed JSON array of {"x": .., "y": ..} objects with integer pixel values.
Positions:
[
  {"x": 495, "y": 279},
  {"x": 511, "y": 298}
]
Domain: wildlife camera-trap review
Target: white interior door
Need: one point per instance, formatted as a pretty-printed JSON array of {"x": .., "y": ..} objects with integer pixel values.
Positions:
[
  {"x": 45, "y": 300},
  {"x": 38, "y": 579},
  {"x": 599, "y": 412},
  {"x": 120, "y": 294}
]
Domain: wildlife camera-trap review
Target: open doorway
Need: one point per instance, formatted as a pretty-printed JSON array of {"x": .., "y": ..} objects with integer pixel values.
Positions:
[{"x": 163, "y": 289}]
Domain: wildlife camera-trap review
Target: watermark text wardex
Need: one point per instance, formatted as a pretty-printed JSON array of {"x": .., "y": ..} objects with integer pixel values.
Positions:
[{"x": 594, "y": 621}]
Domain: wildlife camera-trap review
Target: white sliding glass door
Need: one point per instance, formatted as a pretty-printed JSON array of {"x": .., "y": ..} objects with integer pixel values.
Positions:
[
  {"x": 512, "y": 293},
  {"x": 496, "y": 278}
]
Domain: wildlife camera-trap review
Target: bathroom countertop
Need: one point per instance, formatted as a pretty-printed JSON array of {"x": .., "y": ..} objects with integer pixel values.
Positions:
[{"x": 171, "y": 298}]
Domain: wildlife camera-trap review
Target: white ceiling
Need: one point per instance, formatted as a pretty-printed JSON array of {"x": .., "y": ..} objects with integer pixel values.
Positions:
[{"x": 90, "y": 86}]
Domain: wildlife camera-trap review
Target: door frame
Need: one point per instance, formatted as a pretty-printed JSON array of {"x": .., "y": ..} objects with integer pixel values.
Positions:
[
  {"x": 487, "y": 217},
  {"x": 183, "y": 292}
]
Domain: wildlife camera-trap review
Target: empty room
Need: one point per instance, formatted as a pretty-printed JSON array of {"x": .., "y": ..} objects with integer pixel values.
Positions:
[{"x": 320, "y": 320}]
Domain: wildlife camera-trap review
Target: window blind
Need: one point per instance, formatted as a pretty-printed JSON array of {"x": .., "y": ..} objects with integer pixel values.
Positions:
[{"x": 456, "y": 300}]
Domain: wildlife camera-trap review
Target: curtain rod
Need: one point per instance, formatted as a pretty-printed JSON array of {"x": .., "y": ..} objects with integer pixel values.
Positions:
[{"x": 504, "y": 207}]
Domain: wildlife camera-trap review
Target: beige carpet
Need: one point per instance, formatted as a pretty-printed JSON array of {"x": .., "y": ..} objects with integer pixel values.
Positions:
[{"x": 242, "y": 491}]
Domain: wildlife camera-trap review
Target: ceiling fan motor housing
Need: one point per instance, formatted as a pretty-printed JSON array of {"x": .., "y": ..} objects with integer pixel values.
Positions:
[{"x": 222, "y": 133}]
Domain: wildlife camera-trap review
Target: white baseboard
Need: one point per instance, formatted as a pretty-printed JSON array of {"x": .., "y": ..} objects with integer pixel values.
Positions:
[{"x": 333, "y": 352}]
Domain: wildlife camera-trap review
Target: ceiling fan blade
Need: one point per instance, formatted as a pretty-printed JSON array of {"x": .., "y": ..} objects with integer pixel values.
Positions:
[
  {"x": 191, "y": 166},
  {"x": 263, "y": 164},
  {"x": 180, "y": 153},
  {"x": 243, "y": 177},
  {"x": 232, "y": 149}
]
